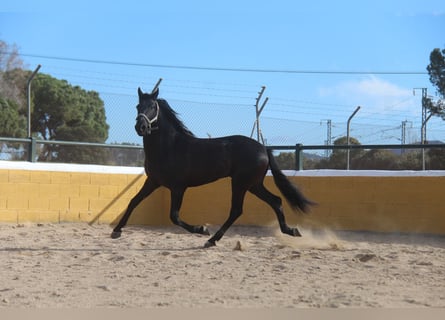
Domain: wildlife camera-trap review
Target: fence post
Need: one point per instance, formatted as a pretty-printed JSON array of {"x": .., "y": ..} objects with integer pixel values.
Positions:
[
  {"x": 298, "y": 157},
  {"x": 347, "y": 136},
  {"x": 29, "y": 98},
  {"x": 32, "y": 150}
]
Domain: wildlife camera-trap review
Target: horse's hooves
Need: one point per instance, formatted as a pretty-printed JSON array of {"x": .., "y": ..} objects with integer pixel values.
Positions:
[
  {"x": 203, "y": 230},
  {"x": 116, "y": 234},
  {"x": 209, "y": 244},
  {"x": 296, "y": 233}
]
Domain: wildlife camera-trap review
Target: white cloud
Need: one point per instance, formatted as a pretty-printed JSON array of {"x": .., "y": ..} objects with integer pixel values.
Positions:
[{"x": 375, "y": 95}]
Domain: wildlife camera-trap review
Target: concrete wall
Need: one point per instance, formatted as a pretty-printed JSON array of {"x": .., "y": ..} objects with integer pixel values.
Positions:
[{"x": 354, "y": 200}]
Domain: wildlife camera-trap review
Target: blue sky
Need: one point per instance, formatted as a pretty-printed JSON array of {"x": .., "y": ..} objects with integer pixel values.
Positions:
[{"x": 298, "y": 49}]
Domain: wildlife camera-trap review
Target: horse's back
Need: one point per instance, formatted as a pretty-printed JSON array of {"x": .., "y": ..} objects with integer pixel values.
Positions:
[
  {"x": 248, "y": 154},
  {"x": 247, "y": 147},
  {"x": 234, "y": 149}
]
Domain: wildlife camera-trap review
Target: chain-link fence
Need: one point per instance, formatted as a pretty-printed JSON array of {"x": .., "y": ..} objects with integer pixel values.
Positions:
[
  {"x": 206, "y": 119},
  {"x": 211, "y": 106}
]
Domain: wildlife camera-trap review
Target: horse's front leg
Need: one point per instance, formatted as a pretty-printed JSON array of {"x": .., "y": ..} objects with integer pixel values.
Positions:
[
  {"x": 176, "y": 201},
  {"x": 149, "y": 186}
]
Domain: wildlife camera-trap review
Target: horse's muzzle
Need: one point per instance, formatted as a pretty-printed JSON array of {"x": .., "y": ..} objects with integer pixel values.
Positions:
[
  {"x": 141, "y": 128},
  {"x": 144, "y": 127}
]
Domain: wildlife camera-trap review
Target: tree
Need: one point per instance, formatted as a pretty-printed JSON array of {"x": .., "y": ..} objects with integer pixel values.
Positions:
[
  {"x": 12, "y": 99},
  {"x": 9, "y": 57},
  {"x": 126, "y": 157},
  {"x": 436, "y": 70},
  {"x": 60, "y": 111},
  {"x": 286, "y": 160},
  {"x": 436, "y": 159},
  {"x": 337, "y": 160},
  {"x": 13, "y": 125},
  {"x": 410, "y": 160},
  {"x": 69, "y": 113},
  {"x": 377, "y": 159},
  {"x": 12, "y": 76}
]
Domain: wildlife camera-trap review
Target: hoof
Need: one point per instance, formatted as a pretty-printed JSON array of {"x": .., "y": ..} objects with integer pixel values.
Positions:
[
  {"x": 203, "y": 230},
  {"x": 209, "y": 244},
  {"x": 116, "y": 234},
  {"x": 292, "y": 232}
]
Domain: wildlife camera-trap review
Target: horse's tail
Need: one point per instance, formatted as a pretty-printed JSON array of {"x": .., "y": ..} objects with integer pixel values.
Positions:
[{"x": 295, "y": 197}]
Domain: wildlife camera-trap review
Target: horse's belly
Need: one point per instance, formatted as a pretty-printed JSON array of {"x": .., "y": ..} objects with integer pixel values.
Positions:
[{"x": 198, "y": 179}]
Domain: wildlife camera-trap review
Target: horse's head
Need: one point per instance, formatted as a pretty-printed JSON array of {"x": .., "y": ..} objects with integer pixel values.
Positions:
[{"x": 148, "y": 112}]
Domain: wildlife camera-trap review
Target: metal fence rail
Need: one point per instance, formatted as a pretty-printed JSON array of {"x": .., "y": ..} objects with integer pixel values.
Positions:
[
  {"x": 32, "y": 145},
  {"x": 297, "y": 149}
]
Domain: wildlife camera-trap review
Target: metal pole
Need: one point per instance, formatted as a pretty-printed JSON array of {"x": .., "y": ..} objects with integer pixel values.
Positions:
[
  {"x": 347, "y": 135},
  {"x": 423, "y": 129},
  {"x": 156, "y": 85},
  {"x": 403, "y": 137},
  {"x": 424, "y": 117},
  {"x": 298, "y": 157},
  {"x": 258, "y": 111},
  {"x": 328, "y": 135},
  {"x": 424, "y": 111},
  {"x": 258, "y": 119},
  {"x": 29, "y": 98}
]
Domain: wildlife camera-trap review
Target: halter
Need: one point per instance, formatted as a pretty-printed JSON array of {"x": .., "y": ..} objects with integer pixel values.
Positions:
[{"x": 150, "y": 122}]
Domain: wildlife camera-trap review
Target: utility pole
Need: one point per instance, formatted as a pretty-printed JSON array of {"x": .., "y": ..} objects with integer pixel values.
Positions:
[
  {"x": 347, "y": 135},
  {"x": 403, "y": 137},
  {"x": 328, "y": 140},
  {"x": 258, "y": 111},
  {"x": 403, "y": 133},
  {"x": 425, "y": 119},
  {"x": 424, "y": 113}
]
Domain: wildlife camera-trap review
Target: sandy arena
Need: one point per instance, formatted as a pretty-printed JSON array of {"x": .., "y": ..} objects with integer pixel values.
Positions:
[{"x": 77, "y": 265}]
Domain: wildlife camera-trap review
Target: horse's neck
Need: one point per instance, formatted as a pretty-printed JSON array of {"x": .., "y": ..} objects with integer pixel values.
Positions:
[{"x": 161, "y": 139}]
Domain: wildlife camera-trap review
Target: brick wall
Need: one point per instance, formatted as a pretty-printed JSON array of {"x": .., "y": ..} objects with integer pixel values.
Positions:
[{"x": 401, "y": 202}]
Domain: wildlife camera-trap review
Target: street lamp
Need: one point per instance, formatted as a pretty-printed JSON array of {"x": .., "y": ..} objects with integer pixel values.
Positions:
[{"x": 347, "y": 135}]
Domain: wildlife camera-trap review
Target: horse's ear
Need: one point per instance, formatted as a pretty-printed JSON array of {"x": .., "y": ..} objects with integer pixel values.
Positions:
[
  {"x": 140, "y": 93},
  {"x": 155, "y": 93}
]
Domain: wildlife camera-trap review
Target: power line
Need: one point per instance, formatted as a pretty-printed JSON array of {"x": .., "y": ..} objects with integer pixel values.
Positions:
[
  {"x": 111, "y": 76},
  {"x": 256, "y": 70}
]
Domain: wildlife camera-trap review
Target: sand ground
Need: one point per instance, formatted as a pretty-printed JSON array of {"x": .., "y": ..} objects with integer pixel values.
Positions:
[{"x": 77, "y": 265}]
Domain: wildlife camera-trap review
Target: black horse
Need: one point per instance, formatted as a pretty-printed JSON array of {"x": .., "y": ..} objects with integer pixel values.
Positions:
[{"x": 176, "y": 159}]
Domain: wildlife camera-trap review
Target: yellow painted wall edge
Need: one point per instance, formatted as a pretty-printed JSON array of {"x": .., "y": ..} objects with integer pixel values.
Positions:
[{"x": 368, "y": 201}]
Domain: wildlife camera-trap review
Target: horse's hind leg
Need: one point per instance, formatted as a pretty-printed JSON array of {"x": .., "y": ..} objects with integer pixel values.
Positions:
[
  {"x": 235, "y": 211},
  {"x": 275, "y": 202},
  {"x": 149, "y": 186},
  {"x": 176, "y": 201}
]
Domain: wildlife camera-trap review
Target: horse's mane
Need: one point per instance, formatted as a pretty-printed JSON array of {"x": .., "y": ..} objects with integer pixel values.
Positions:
[{"x": 173, "y": 118}]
